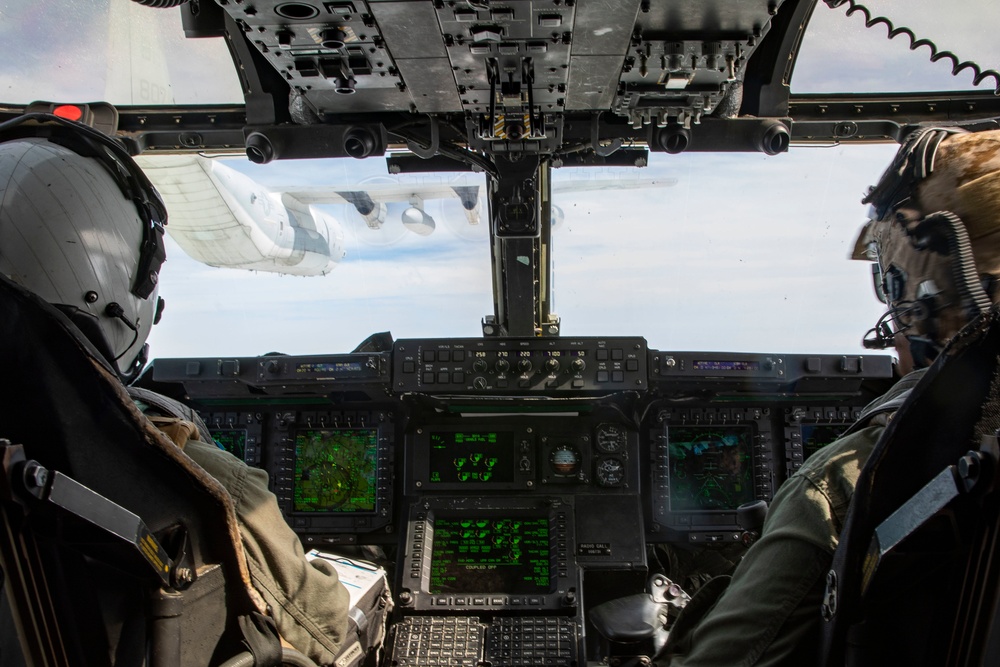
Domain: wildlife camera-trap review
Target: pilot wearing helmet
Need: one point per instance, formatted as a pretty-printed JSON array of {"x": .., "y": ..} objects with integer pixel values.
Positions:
[
  {"x": 934, "y": 239},
  {"x": 81, "y": 228}
]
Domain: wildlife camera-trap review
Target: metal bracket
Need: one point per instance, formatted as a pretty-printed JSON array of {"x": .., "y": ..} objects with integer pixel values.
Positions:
[{"x": 37, "y": 488}]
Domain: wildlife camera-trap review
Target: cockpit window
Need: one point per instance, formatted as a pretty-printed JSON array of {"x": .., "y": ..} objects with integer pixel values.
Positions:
[
  {"x": 698, "y": 251},
  {"x": 840, "y": 55},
  {"x": 115, "y": 51}
]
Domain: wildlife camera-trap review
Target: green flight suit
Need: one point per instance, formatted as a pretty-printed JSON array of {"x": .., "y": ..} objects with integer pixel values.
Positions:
[
  {"x": 770, "y": 612},
  {"x": 307, "y": 600}
]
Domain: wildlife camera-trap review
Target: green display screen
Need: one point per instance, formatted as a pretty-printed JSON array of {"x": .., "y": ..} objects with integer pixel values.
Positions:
[
  {"x": 471, "y": 457},
  {"x": 233, "y": 440},
  {"x": 710, "y": 467},
  {"x": 485, "y": 554},
  {"x": 336, "y": 470}
]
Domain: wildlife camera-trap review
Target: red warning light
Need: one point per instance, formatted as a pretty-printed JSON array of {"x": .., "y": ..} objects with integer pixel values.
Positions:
[{"x": 68, "y": 111}]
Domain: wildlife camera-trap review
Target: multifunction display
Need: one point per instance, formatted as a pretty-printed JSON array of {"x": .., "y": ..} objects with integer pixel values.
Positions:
[
  {"x": 458, "y": 457},
  {"x": 710, "y": 467},
  {"x": 706, "y": 462},
  {"x": 336, "y": 470}
]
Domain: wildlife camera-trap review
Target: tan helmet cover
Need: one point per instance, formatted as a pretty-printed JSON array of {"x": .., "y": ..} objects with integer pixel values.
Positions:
[{"x": 965, "y": 181}]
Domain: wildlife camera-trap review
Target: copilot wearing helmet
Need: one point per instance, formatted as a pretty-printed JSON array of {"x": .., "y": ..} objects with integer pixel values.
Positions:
[
  {"x": 934, "y": 236},
  {"x": 81, "y": 227}
]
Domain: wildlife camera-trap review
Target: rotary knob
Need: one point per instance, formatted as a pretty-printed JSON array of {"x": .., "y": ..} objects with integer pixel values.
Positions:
[
  {"x": 479, "y": 365},
  {"x": 524, "y": 365},
  {"x": 479, "y": 382},
  {"x": 552, "y": 365},
  {"x": 578, "y": 365},
  {"x": 502, "y": 366}
]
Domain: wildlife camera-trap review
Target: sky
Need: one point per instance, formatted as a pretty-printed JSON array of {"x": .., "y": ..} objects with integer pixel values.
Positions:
[{"x": 744, "y": 252}]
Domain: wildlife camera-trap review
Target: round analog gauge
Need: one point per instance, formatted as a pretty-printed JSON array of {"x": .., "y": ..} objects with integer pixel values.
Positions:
[
  {"x": 565, "y": 460},
  {"x": 611, "y": 439},
  {"x": 610, "y": 472}
]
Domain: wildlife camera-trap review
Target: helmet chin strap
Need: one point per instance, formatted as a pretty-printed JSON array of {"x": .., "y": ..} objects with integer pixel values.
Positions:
[
  {"x": 135, "y": 368},
  {"x": 89, "y": 327}
]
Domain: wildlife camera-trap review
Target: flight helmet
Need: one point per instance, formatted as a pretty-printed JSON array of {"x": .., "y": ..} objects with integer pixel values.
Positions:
[
  {"x": 81, "y": 227},
  {"x": 934, "y": 238}
]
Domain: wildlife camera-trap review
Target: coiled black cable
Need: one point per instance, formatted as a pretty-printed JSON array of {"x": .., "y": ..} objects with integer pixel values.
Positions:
[{"x": 958, "y": 66}]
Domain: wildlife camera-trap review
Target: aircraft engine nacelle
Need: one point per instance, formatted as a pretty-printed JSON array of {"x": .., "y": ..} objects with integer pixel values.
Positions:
[
  {"x": 375, "y": 217},
  {"x": 418, "y": 222},
  {"x": 472, "y": 213},
  {"x": 328, "y": 243},
  {"x": 315, "y": 246}
]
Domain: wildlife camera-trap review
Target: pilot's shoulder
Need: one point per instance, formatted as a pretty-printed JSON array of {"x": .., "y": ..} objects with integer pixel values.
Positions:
[{"x": 232, "y": 473}]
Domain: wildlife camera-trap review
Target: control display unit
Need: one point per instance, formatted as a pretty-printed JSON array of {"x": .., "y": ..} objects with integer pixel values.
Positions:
[
  {"x": 480, "y": 554},
  {"x": 706, "y": 463},
  {"x": 491, "y": 552}
]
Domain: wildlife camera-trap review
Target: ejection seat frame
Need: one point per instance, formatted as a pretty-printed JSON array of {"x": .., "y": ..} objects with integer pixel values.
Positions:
[{"x": 96, "y": 525}]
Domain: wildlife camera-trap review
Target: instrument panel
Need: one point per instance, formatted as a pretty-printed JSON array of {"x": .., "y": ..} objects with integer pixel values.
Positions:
[
  {"x": 516, "y": 483},
  {"x": 350, "y": 439}
]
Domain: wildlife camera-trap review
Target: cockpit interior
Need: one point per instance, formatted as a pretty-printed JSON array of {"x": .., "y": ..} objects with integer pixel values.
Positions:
[{"x": 518, "y": 480}]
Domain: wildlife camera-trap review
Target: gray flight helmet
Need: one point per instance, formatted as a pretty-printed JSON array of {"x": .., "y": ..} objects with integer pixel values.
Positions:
[{"x": 81, "y": 227}]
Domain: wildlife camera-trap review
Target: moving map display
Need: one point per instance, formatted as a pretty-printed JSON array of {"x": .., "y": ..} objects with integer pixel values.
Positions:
[
  {"x": 710, "y": 467},
  {"x": 491, "y": 554},
  {"x": 336, "y": 470}
]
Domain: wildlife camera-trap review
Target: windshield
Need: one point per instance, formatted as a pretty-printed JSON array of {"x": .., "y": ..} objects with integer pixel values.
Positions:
[{"x": 698, "y": 251}]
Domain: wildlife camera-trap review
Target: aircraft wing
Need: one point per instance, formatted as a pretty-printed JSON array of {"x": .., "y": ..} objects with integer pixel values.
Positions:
[
  {"x": 382, "y": 192},
  {"x": 202, "y": 219},
  {"x": 601, "y": 184},
  {"x": 464, "y": 187}
]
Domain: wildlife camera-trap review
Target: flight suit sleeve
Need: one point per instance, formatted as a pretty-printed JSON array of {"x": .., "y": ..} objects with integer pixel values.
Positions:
[
  {"x": 307, "y": 600},
  {"x": 770, "y": 613}
]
